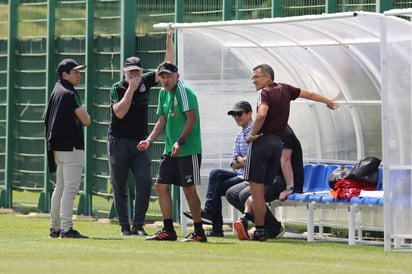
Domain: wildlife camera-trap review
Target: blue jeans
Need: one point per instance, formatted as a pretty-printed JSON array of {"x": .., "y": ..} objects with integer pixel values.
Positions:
[
  {"x": 220, "y": 181},
  {"x": 123, "y": 156}
]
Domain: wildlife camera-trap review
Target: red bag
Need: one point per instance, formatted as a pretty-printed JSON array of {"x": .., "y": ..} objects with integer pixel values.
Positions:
[{"x": 348, "y": 188}]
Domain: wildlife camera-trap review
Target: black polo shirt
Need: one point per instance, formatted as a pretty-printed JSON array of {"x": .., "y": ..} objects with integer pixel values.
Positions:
[
  {"x": 134, "y": 123},
  {"x": 63, "y": 130}
]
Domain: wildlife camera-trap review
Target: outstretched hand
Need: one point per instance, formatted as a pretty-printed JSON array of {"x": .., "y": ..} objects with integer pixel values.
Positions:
[
  {"x": 332, "y": 104},
  {"x": 169, "y": 30}
]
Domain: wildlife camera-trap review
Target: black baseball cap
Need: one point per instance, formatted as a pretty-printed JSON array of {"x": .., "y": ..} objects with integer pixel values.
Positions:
[
  {"x": 133, "y": 63},
  {"x": 67, "y": 65},
  {"x": 166, "y": 67},
  {"x": 240, "y": 106}
]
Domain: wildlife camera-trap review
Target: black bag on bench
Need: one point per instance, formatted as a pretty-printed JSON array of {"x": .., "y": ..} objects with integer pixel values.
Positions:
[
  {"x": 338, "y": 174},
  {"x": 365, "y": 170}
]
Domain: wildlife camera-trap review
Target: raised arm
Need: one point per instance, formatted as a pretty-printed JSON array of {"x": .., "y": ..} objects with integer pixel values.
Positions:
[
  {"x": 170, "y": 49},
  {"x": 316, "y": 97}
]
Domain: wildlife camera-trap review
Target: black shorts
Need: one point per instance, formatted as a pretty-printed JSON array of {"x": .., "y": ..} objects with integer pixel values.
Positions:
[
  {"x": 263, "y": 159},
  {"x": 181, "y": 171}
]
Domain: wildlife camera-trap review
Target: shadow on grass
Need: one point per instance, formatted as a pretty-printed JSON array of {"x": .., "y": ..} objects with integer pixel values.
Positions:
[
  {"x": 106, "y": 239},
  {"x": 219, "y": 243}
]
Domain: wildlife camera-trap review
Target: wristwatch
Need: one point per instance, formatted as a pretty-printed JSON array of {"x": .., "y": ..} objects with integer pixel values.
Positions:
[
  {"x": 181, "y": 141},
  {"x": 290, "y": 188}
]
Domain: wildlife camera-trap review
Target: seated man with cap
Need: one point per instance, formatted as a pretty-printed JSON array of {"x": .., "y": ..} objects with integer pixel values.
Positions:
[{"x": 220, "y": 180}]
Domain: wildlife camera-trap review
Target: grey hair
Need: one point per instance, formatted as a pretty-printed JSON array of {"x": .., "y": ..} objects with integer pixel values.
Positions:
[{"x": 266, "y": 69}]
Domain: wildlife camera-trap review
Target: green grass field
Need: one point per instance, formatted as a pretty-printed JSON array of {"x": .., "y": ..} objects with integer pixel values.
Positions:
[{"x": 25, "y": 248}]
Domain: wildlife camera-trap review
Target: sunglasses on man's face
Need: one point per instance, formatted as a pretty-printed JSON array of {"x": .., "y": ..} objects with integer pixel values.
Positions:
[{"x": 237, "y": 114}]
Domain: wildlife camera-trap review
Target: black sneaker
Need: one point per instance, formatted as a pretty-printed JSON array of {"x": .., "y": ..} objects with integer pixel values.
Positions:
[
  {"x": 207, "y": 217},
  {"x": 198, "y": 236},
  {"x": 72, "y": 234},
  {"x": 54, "y": 233},
  {"x": 241, "y": 227},
  {"x": 125, "y": 230},
  {"x": 214, "y": 233},
  {"x": 138, "y": 231},
  {"x": 259, "y": 235},
  {"x": 163, "y": 235}
]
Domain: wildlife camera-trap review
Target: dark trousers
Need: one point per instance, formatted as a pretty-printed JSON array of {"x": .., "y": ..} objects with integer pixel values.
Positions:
[
  {"x": 238, "y": 194},
  {"x": 123, "y": 156},
  {"x": 220, "y": 180}
]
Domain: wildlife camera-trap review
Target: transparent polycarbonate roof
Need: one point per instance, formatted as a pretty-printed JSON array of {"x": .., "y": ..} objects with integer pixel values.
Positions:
[{"x": 332, "y": 54}]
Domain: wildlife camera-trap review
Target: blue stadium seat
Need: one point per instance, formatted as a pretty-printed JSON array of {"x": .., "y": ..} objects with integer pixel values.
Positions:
[
  {"x": 307, "y": 174},
  {"x": 349, "y": 166},
  {"x": 324, "y": 186},
  {"x": 327, "y": 198},
  {"x": 317, "y": 178},
  {"x": 367, "y": 200},
  {"x": 379, "y": 184},
  {"x": 312, "y": 184},
  {"x": 328, "y": 172}
]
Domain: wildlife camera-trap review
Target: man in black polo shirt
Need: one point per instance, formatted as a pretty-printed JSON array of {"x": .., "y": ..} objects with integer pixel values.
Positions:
[
  {"x": 128, "y": 126},
  {"x": 65, "y": 118}
]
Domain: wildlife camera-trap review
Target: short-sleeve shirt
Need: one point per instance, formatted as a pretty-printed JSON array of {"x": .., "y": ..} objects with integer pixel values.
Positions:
[
  {"x": 277, "y": 97},
  {"x": 134, "y": 123},
  {"x": 240, "y": 146},
  {"x": 173, "y": 106},
  {"x": 63, "y": 130}
]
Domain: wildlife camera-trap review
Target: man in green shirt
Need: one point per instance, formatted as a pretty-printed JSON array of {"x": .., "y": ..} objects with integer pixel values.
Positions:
[{"x": 178, "y": 113}]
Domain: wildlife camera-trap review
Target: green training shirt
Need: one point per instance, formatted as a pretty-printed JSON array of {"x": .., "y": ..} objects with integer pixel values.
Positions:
[{"x": 173, "y": 106}]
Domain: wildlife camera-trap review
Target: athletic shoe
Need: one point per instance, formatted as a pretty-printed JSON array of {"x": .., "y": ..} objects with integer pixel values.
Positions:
[
  {"x": 125, "y": 230},
  {"x": 72, "y": 234},
  {"x": 138, "y": 231},
  {"x": 198, "y": 236},
  {"x": 207, "y": 218},
  {"x": 54, "y": 233},
  {"x": 163, "y": 235},
  {"x": 241, "y": 227},
  {"x": 214, "y": 233},
  {"x": 259, "y": 235}
]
